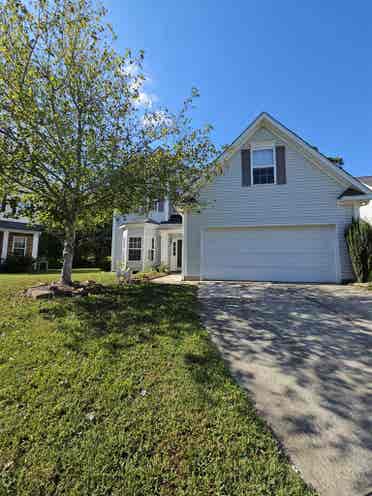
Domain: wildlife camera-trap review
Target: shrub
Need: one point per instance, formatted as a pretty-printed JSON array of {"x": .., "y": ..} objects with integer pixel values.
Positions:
[
  {"x": 17, "y": 264},
  {"x": 359, "y": 241},
  {"x": 162, "y": 268}
]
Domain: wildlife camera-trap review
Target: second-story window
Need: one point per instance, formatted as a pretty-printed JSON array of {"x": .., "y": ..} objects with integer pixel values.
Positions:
[{"x": 263, "y": 166}]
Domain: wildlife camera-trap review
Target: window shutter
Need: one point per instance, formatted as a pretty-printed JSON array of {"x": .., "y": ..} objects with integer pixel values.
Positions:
[
  {"x": 280, "y": 165},
  {"x": 246, "y": 167}
]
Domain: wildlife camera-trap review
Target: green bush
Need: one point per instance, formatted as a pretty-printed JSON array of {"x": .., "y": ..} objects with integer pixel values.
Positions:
[
  {"x": 162, "y": 268},
  {"x": 359, "y": 241},
  {"x": 17, "y": 264}
]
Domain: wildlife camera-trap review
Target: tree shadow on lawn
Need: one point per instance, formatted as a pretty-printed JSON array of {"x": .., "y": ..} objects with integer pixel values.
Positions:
[{"x": 121, "y": 317}]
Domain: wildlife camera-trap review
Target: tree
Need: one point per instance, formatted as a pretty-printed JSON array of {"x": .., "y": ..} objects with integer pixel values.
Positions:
[{"x": 73, "y": 137}]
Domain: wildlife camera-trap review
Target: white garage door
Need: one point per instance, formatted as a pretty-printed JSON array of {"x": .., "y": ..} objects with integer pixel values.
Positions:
[{"x": 294, "y": 254}]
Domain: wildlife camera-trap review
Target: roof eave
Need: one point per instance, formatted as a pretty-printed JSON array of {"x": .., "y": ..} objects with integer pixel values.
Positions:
[{"x": 352, "y": 199}]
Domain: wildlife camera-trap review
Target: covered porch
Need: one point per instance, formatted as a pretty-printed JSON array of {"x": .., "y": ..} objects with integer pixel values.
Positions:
[{"x": 18, "y": 238}]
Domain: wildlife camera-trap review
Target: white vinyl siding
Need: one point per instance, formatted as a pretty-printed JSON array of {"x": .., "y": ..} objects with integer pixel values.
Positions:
[{"x": 308, "y": 198}]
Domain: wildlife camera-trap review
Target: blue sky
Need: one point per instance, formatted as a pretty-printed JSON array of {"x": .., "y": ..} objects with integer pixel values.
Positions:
[{"x": 309, "y": 64}]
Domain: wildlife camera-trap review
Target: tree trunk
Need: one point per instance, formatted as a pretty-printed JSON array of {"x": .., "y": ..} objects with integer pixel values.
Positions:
[{"x": 68, "y": 255}]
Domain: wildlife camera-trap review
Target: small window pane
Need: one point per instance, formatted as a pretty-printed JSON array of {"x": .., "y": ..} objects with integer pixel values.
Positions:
[
  {"x": 134, "y": 252},
  {"x": 263, "y": 175},
  {"x": 19, "y": 246},
  {"x": 263, "y": 157}
]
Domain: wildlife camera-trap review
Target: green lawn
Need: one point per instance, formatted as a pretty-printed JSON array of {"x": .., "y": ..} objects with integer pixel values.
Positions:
[{"x": 123, "y": 394}]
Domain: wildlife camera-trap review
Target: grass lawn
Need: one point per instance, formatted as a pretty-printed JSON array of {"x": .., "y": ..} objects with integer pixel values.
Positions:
[{"x": 122, "y": 393}]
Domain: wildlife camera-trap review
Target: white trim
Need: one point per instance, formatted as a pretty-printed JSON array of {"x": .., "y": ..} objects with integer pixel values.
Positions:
[
  {"x": 19, "y": 231},
  {"x": 338, "y": 256},
  {"x": 357, "y": 199},
  {"x": 113, "y": 242},
  {"x": 263, "y": 146},
  {"x": 202, "y": 254},
  {"x": 266, "y": 226},
  {"x": 264, "y": 119},
  {"x": 124, "y": 249},
  {"x": 184, "y": 246},
  {"x": 35, "y": 245},
  {"x": 4, "y": 251},
  {"x": 174, "y": 258}
]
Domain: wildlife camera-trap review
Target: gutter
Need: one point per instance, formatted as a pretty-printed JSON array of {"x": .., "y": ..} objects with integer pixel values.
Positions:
[{"x": 362, "y": 199}]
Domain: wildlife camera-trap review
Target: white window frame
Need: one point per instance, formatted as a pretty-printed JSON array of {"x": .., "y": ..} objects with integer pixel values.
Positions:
[
  {"x": 16, "y": 237},
  {"x": 138, "y": 249},
  {"x": 258, "y": 147},
  {"x": 152, "y": 249}
]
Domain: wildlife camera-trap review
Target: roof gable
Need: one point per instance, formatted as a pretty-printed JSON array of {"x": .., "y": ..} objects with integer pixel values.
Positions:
[{"x": 285, "y": 134}]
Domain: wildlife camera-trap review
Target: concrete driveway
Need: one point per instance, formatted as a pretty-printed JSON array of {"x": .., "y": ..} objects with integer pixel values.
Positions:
[{"x": 304, "y": 354}]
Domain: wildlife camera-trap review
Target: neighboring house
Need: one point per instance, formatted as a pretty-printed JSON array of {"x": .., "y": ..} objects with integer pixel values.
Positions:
[
  {"x": 18, "y": 236},
  {"x": 366, "y": 211},
  {"x": 277, "y": 213}
]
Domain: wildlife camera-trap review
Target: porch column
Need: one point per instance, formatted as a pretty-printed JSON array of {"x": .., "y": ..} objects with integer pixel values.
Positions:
[
  {"x": 4, "y": 251},
  {"x": 35, "y": 244},
  {"x": 164, "y": 237},
  {"x": 124, "y": 249}
]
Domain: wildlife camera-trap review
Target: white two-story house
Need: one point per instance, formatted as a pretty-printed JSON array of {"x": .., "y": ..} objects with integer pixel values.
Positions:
[{"x": 278, "y": 212}]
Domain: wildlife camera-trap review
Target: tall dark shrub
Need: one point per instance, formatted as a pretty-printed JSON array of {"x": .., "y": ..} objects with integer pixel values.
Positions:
[{"x": 359, "y": 241}]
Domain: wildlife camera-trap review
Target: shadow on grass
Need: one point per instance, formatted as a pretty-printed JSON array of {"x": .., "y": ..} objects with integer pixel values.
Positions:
[{"x": 121, "y": 317}]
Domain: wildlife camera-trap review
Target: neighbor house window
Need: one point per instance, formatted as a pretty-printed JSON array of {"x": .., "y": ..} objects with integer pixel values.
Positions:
[
  {"x": 19, "y": 245},
  {"x": 134, "y": 251},
  {"x": 263, "y": 166}
]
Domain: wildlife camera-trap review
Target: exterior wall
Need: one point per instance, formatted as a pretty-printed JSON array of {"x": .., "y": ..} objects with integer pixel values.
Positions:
[
  {"x": 150, "y": 232},
  {"x": 117, "y": 233},
  {"x": 136, "y": 233},
  {"x": 116, "y": 243},
  {"x": 153, "y": 214},
  {"x": 309, "y": 197}
]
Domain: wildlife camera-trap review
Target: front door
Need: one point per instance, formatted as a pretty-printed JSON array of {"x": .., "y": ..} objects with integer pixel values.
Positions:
[{"x": 176, "y": 254}]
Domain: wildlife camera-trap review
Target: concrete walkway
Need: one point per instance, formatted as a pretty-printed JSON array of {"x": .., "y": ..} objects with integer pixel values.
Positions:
[
  {"x": 173, "y": 279},
  {"x": 304, "y": 354}
]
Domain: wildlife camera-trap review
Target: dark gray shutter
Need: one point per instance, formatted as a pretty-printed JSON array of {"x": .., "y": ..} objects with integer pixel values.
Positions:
[
  {"x": 246, "y": 167},
  {"x": 280, "y": 165}
]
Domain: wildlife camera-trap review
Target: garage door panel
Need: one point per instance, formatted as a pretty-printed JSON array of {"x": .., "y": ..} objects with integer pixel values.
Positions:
[{"x": 271, "y": 254}]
